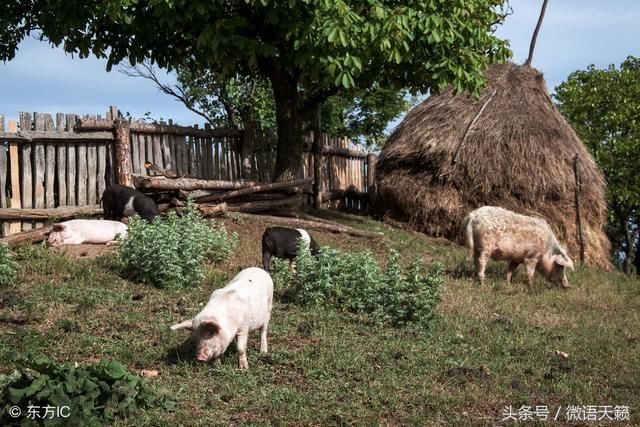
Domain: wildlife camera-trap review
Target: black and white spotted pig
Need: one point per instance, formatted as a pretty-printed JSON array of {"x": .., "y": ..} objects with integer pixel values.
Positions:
[
  {"x": 119, "y": 201},
  {"x": 281, "y": 242}
]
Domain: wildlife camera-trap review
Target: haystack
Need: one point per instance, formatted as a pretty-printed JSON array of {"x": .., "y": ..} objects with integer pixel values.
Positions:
[{"x": 510, "y": 148}]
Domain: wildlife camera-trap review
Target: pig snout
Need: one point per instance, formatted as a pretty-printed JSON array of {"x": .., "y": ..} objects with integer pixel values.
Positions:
[{"x": 203, "y": 354}]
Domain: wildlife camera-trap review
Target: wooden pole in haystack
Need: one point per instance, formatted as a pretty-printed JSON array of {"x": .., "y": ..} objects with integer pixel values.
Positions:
[
  {"x": 578, "y": 215},
  {"x": 532, "y": 46}
]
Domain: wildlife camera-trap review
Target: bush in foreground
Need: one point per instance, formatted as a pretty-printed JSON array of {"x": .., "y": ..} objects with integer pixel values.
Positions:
[
  {"x": 355, "y": 282},
  {"x": 170, "y": 253},
  {"x": 71, "y": 394}
]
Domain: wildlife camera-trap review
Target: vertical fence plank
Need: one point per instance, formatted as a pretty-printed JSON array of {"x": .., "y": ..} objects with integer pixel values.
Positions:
[
  {"x": 61, "y": 163},
  {"x": 26, "y": 183},
  {"x": 216, "y": 160},
  {"x": 177, "y": 153},
  {"x": 14, "y": 159},
  {"x": 135, "y": 153},
  {"x": 72, "y": 186},
  {"x": 50, "y": 165},
  {"x": 173, "y": 158},
  {"x": 148, "y": 152},
  {"x": 102, "y": 168},
  {"x": 157, "y": 150},
  {"x": 184, "y": 154},
  {"x": 166, "y": 152},
  {"x": 209, "y": 171},
  {"x": 81, "y": 159},
  {"x": 39, "y": 167},
  {"x": 142, "y": 152},
  {"x": 92, "y": 172}
]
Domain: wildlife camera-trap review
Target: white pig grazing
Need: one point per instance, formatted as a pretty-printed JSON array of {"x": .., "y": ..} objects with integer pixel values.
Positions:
[
  {"x": 499, "y": 234},
  {"x": 243, "y": 305},
  {"x": 78, "y": 231}
]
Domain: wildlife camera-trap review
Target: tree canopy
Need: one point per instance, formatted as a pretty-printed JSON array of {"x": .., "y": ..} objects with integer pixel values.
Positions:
[
  {"x": 603, "y": 105},
  {"x": 318, "y": 46}
]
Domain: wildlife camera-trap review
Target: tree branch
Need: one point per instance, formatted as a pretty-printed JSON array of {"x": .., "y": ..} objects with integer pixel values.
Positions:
[{"x": 146, "y": 71}]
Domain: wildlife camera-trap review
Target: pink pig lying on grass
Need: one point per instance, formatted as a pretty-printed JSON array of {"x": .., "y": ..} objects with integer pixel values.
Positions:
[
  {"x": 242, "y": 306},
  {"x": 78, "y": 231}
]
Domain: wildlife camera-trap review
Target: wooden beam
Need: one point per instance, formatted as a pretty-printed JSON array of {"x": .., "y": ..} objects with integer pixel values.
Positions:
[
  {"x": 51, "y": 213},
  {"x": 91, "y": 124},
  {"x": 53, "y": 136}
]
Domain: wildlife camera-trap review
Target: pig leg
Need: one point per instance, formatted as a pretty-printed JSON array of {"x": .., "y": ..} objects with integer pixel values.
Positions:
[
  {"x": 266, "y": 260},
  {"x": 241, "y": 345},
  {"x": 481, "y": 259},
  {"x": 512, "y": 268},
  {"x": 263, "y": 337},
  {"x": 530, "y": 266}
]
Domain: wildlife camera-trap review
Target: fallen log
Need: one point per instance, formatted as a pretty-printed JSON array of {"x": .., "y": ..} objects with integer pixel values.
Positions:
[
  {"x": 213, "y": 210},
  {"x": 35, "y": 235},
  {"x": 168, "y": 184},
  {"x": 335, "y": 228},
  {"x": 254, "y": 189},
  {"x": 265, "y": 205},
  {"x": 51, "y": 213}
]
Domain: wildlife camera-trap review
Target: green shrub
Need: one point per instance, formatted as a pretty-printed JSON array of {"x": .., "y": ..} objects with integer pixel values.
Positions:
[
  {"x": 91, "y": 394},
  {"x": 355, "y": 282},
  {"x": 8, "y": 267},
  {"x": 170, "y": 252}
]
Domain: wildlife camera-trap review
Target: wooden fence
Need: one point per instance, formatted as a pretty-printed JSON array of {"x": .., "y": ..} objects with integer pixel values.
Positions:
[{"x": 47, "y": 164}]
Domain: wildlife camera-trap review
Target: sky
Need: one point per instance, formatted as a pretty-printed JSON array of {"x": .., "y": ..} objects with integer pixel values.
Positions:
[{"x": 574, "y": 34}]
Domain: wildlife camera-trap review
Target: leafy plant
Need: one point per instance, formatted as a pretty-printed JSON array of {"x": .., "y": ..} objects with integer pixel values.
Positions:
[
  {"x": 355, "y": 282},
  {"x": 8, "y": 267},
  {"x": 89, "y": 393},
  {"x": 171, "y": 252}
]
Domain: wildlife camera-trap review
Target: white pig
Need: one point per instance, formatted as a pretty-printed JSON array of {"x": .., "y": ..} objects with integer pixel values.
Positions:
[
  {"x": 78, "y": 231},
  {"x": 243, "y": 305},
  {"x": 499, "y": 234}
]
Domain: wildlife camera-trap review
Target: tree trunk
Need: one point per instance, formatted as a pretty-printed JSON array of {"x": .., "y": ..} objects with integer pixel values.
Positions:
[{"x": 289, "y": 155}]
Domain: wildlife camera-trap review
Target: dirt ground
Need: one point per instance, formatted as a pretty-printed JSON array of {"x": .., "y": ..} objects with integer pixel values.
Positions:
[{"x": 249, "y": 231}]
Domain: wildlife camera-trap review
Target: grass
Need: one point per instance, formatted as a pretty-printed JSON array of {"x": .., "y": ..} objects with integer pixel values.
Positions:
[{"x": 492, "y": 346}]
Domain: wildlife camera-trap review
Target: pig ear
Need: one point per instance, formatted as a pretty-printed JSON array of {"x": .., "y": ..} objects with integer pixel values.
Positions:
[
  {"x": 186, "y": 324},
  {"x": 564, "y": 261},
  {"x": 210, "y": 325},
  {"x": 58, "y": 227}
]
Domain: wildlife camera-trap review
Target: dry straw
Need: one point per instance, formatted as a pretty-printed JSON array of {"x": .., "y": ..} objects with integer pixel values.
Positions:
[{"x": 510, "y": 148}]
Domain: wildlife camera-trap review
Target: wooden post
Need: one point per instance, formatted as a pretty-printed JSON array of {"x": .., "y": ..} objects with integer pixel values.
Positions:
[
  {"x": 121, "y": 146},
  {"x": 578, "y": 216},
  {"x": 317, "y": 160}
]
